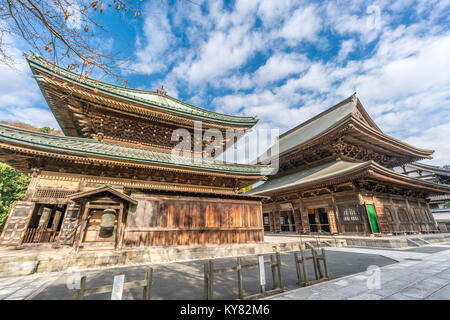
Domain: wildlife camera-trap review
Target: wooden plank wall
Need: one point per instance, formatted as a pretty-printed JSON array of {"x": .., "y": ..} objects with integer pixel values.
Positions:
[
  {"x": 171, "y": 220},
  {"x": 389, "y": 210}
]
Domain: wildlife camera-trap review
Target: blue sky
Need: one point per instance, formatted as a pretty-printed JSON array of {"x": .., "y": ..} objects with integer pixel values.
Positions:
[{"x": 283, "y": 61}]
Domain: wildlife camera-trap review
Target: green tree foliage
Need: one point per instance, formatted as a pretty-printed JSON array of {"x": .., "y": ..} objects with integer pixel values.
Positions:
[
  {"x": 13, "y": 186},
  {"x": 45, "y": 129},
  {"x": 447, "y": 204}
]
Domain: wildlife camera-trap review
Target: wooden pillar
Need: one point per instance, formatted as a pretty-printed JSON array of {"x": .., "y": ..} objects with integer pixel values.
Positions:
[
  {"x": 332, "y": 220},
  {"x": 365, "y": 217},
  {"x": 276, "y": 221},
  {"x": 290, "y": 220},
  {"x": 410, "y": 211},
  {"x": 83, "y": 225},
  {"x": 337, "y": 218},
  {"x": 271, "y": 226},
  {"x": 45, "y": 216},
  {"x": 57, "y": 217},
  {"x": 431, "y": 222},
  {"x": 119, "y": 235},
  {"x": 305, "y": 221},
  {"x": 32, "y": 186},
  {"x": 297, "y": 220}
]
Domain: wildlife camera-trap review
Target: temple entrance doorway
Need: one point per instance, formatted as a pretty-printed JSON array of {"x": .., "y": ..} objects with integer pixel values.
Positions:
[
  {"x": 266, "y": 221},
  {"x": 287, "y": 221},
  {"x": 45, "y": 223},
  {"x": 318, "y": 220}
]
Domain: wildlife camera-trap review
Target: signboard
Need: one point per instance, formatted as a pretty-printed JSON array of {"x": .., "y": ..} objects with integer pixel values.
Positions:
[
  {"x": 262, "y": 270},
  {"x": 117, "y": 289}
]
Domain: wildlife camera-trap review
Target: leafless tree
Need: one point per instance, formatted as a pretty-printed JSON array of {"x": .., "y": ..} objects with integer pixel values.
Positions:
[{"x": 65, "y": 31}]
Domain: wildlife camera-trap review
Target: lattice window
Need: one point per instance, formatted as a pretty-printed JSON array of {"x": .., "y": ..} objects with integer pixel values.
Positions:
[
  {"x": 52, "y": 193},
  {"x": 350, "y": 214},
  {"x": 402, "y": 215}
]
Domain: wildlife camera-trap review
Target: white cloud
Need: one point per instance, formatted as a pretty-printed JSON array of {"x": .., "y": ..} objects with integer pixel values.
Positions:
[
  {"x": 222, "y": 41},
  {"x": 280, "y": 65},
  {"x": 402, "y": 84},
  {"x": 152, "y": 52},
  {"x": 434, "y": 138},
  {"x": 304, "y": 24},
  {"x": 272, "y": 13},
  {"x": 19, "y": 93},
  {"x": 74, "y": 19},
  {"x": 222, "y": 52},
  {"x": 366, "y": 26},
  {"x": 38, "y": 117},
  {"x": 17, "y": 87},
  {"x": 347, "y": 47}
]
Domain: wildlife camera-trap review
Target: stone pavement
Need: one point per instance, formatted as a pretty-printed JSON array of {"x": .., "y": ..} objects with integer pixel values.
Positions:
[
  {"x": 420, "y": 273},
  {"x": 25, "y": 287},
  {"x": 418, "y": 276},
  {"x": 379, "y": 241}
]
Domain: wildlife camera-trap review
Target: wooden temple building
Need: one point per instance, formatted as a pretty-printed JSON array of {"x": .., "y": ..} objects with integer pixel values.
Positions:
[
  {"x": 335, "y": 176},
  {"x": 112, "y": 181},
  {"x": 437, "y": 203}
]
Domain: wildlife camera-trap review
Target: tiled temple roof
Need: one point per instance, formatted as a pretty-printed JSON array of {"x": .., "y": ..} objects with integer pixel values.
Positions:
[
  {"x": 350, "y": 113},
  {"x": 151, "y": 99},
  {"x": 308, "y": 176},
  {"x": 340, "y": 171},
  {"x": 90, "y": 147},
  {"x": 435, "y": 169}
]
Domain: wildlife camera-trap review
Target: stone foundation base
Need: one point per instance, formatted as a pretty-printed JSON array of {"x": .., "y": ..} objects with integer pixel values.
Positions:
[
  {"x": 396, "y": 242},
  {"x": 55, "y": 260}
]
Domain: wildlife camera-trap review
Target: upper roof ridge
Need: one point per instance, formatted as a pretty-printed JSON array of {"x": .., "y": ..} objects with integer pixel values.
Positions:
[{"x": 352, "y": 98}]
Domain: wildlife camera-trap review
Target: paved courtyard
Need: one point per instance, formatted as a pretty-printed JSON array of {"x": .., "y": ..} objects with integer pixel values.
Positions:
[
  {"x": 422, "y": 274},
  {"x": 180, "y": 280},
  {"x": 418, "y": 273}
]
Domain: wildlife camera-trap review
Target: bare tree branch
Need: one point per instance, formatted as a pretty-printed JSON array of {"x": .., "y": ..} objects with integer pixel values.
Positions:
[{"x": 65, "y": 31}]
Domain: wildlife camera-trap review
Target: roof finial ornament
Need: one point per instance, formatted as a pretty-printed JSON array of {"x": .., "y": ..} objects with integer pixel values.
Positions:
[
  {"x": 354, "y": 96},
  {"x": 161, "y": 91}
]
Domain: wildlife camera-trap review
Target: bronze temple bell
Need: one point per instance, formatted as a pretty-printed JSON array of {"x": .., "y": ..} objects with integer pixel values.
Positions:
[{"x": 108, "y": 219}]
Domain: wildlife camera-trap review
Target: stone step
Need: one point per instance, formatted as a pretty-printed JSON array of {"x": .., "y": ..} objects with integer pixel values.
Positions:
[
  {"x": 421, "y": 241},
  {"x": 413, "y": 243}
]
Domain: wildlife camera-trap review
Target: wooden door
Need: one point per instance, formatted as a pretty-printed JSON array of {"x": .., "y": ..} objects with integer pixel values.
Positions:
[
  {"x": 17, "y": 223},
  {"x": 372, "y": 217}
]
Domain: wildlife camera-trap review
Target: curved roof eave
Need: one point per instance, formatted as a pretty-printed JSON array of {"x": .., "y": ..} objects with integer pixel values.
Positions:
[
  {"x": 18, "y": 137},
  {"x": 37, "y": 62}
]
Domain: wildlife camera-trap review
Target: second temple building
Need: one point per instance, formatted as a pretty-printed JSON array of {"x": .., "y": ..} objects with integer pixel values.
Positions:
[{"x": 335, "y": 176}]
